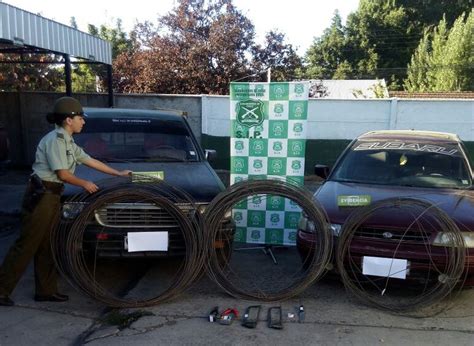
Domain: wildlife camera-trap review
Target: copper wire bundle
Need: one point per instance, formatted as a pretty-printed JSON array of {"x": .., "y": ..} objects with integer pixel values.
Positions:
[
  {"x": 222, "y": 272},
  {"x": 384, "y": 292},
  {"x": 67, "y": 240}
]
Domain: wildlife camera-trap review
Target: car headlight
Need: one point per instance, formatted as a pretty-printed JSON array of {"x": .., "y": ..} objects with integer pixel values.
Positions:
[
  {"x": 448, "y": 239},
  {"x": 72, "y": 209}
]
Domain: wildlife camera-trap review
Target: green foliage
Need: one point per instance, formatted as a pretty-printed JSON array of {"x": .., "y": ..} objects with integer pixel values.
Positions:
[
  {"x": 444, "y": 59},
  {"x": 378, "y": 39},
  {"x": 277, "y": 55},
  {"x": 93, "y": 78},
  {"x": 327, "y": 52}
]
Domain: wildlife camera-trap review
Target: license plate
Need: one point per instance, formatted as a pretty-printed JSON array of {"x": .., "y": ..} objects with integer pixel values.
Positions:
[
  {"x": 385, "y": 267},
  {"x": 146, "y": 241}
]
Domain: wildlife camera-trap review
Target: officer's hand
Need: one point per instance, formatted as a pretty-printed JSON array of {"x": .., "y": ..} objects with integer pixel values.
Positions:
[
  {"x": 125, "y": 173},
  {"x": 90, "y": 187}
]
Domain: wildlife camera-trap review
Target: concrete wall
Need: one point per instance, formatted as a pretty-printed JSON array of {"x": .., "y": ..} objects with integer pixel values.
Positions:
[
  {"x": 346, "y": 119},
  {"x": 24, "y": 115},
  {"x": 332, "y": 124}
]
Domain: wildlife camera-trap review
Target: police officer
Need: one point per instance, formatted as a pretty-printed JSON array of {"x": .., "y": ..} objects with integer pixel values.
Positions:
[{"x": 56, "y": 158}]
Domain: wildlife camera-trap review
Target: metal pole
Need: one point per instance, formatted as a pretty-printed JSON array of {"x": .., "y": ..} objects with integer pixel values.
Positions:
[
  {"x": 67, "y": 72},
  {"x": 269, "y": 74},
  {"x": 109, "y": 85}
]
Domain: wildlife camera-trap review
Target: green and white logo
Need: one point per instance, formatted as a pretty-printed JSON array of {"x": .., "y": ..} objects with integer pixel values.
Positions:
[
  {"x": 258, "y": 147},
  {"x": 292, "y": 236},
  {"x": 296, "y": 164},
  {"x": 257, "y": 164},
  {"x": 239, "y": 164},
  {"x": 238, "y": 216},
  {"x": 277, "y": 165},
  {"x": 274, "y": 236},
  {"x": 275, "y": 202},
  {"x": 275, "y": 218},
  {"x": 296, "y": 146},
  {"x": 299, "y": 89},
  {"x": 277, "y": 146},
  {"x": 278, "y": 129},
  {"x": 255, "y": 234},
  {"x": 256, "y": 220},
  {"x": 239, "y": 235},
  {"x": 238, "y": 179},
  {"x": 291, "y": 219},
  {"x": 278, "y": 108},
  {"x": 256, "y": 199},
  {"x": 298, "y": 111},
  {"x": 279, "y": 91},
  {"x": 298, "y": 127},
  {"x": 250, "y": 112},
  {"x": 239, "y": 145}
]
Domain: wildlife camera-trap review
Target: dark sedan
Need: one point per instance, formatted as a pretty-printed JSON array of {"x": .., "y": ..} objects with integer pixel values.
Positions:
[{"x": 378, "y": 165}]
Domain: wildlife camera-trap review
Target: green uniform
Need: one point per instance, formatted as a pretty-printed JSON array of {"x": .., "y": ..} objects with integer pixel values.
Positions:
[{"x": 40, "y": 211}]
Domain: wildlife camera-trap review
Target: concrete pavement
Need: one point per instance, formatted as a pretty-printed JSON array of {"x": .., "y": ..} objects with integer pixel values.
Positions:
[{"x": 332, "y": 315}]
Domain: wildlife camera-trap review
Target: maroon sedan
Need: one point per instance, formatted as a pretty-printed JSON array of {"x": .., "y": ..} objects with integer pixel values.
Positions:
[{"x": 430, "y": 166}]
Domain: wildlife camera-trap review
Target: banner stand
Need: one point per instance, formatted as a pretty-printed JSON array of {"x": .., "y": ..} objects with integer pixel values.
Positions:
[
  {"x": 268, "y": 141},
  {"x": 267, "y": 250}
]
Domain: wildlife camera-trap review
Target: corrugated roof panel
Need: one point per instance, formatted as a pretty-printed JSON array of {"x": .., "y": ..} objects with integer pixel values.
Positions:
[{"x": 22, "y": 27}]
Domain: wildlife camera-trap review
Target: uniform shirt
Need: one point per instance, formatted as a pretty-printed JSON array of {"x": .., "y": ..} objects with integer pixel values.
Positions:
[{"x": 55, "y": 151}]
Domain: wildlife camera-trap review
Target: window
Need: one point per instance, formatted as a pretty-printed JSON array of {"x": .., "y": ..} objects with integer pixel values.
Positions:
[{"x": 409, "y": 167}]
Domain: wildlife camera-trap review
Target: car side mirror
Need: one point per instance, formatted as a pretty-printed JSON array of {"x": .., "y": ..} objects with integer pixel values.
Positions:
[
  {"x": 211, "y": 154},
  {"x": 321, "y": 171}
]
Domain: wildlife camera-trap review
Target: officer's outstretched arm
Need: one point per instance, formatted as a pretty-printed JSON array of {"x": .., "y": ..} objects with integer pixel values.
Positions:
[
  {"x": 68, "y": 177},
  {"x": 102, "y": 167}
]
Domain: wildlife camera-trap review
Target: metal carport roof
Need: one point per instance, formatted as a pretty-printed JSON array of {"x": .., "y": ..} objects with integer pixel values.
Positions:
[{"x": 24, "y": 32}]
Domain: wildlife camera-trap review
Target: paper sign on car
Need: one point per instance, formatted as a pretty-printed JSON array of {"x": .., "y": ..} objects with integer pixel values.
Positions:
[
  {"x": 140, "y": 177},
  {"x": 353, "y": 201}
]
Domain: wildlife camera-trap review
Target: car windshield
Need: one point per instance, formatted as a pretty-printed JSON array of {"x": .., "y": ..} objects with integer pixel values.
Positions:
[
  {"x": 138, "y": 146},
  {"x": 404, "y": 164}
]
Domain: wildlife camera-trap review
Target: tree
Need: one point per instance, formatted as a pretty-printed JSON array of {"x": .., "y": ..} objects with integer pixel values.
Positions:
[
  {"x": 277, "y": 55},
  {"x": 88, "y": 78},
  {"x": 199, "y": 47},
  {"x": 379, "y": 39},
  {"x": 327, "y": 52},
  {"x": 443, "y": 61}
]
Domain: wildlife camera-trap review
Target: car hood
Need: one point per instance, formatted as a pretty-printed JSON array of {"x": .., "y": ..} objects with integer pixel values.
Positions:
[
  {"x": 197, "y": 179},
  {"x": 458, "y": 204}
]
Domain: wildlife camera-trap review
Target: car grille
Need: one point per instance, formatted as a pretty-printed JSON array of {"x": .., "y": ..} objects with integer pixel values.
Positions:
[
  {"x": 143, "y": 215},
  {"x": 394, "y": 235}
]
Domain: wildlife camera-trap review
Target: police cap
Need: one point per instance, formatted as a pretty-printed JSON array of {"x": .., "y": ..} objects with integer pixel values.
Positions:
[{"x": 65, "y": 107}]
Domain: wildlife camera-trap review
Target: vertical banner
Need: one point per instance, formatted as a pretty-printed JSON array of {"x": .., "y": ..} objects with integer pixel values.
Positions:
[{"x": 268, "y": 139}]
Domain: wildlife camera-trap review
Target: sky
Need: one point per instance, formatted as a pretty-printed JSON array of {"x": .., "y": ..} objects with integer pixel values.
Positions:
[{"x": 300, "y": 20}]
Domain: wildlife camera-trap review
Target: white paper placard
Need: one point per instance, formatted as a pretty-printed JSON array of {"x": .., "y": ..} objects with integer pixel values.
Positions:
[
  {"x": 385, "y": 267},
  {"x": 147, "y": 241}
]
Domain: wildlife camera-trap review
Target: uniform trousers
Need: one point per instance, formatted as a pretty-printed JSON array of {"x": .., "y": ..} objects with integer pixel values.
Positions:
[{"x": 40, "y": 213}]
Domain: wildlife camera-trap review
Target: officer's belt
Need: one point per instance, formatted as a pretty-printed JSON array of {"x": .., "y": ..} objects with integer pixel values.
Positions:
[{"x": 56, "y": 188}]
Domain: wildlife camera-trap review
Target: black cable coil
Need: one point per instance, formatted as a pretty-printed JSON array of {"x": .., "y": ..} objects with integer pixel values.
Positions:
[
  {"x": 422, "y": 220},
  {"x": 228, "y": 278},
  {"x": 67, "y": 239}
]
